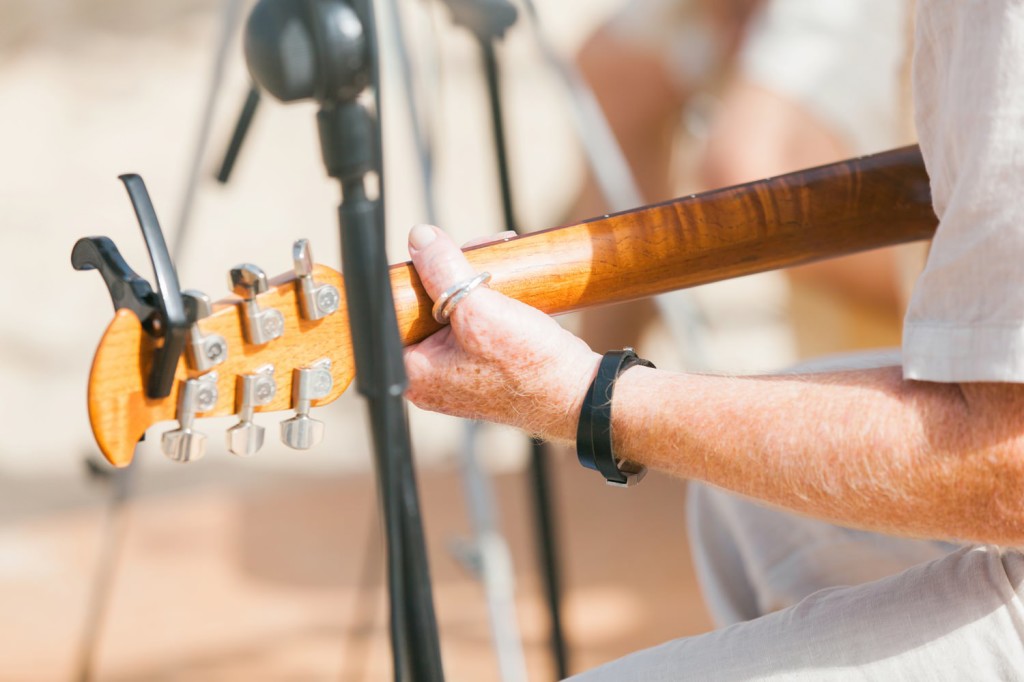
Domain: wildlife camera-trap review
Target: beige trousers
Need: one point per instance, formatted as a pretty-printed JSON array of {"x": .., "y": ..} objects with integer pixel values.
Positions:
[{"x": 798, "y": 599}]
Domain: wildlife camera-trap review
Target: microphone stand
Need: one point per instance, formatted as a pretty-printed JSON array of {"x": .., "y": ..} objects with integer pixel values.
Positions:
[
  {"x": 331, "y": 58},
  {"x": 488, "y": 20}
]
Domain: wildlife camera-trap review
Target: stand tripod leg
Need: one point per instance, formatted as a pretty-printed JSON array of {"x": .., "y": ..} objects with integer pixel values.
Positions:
[
  {"x": 493, "y": 562},
  {"x": 123, "y": 484},
  {"x": 232, "y": 19},
  {"x": 115, "y": 528},
  {"x": 252, "y": 100}
]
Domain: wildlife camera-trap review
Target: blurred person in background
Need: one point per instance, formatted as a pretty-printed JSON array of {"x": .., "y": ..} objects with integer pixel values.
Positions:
[
  {"x": 764, "y": 87},
  {"x": 886, "y": 540}
]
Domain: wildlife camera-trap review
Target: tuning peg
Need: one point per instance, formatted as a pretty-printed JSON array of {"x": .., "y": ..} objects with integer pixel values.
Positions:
[
  {"x": 185, "y": 444},
  {"x": 246, "y": 437},
  {"x": 308, "y": 383},
  {"x": 205, "y": 351},
  {"x": 315, "y": 301},
  {"x": 261, "y": 326}
]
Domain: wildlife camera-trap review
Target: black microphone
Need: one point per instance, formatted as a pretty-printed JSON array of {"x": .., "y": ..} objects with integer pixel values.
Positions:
[{"x": 307, "y": 50}]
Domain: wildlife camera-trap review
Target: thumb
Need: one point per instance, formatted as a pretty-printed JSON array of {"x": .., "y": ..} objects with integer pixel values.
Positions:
[{"x": 439, "y": 262}]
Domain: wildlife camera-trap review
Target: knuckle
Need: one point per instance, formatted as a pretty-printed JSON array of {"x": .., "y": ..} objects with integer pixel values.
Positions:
[{"x": 417, "y": 368}]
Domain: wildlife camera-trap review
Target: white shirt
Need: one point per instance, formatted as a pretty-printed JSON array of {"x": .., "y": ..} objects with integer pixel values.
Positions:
[{"x": 966, "y": 317}]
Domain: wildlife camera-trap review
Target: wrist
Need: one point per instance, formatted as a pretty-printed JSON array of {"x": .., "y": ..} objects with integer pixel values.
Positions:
[
  {"x": 629, "y": 417},
  {"x": 577, "y": 382}
]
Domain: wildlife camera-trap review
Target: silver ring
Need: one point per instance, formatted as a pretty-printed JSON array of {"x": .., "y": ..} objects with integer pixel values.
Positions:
[{"x": 445, "y": 304}]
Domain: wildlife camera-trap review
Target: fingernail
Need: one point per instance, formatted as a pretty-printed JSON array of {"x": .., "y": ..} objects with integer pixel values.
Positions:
[{"x": 421, "y": 235}]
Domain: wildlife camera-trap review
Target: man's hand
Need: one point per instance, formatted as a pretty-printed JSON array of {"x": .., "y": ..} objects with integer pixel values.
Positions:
[
  {"x": 864, "y": 448},
  {"x": 500, "y": 360}
]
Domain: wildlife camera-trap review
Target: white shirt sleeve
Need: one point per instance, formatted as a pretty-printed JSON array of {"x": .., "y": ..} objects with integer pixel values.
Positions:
[{"x": 966, "y": 316}]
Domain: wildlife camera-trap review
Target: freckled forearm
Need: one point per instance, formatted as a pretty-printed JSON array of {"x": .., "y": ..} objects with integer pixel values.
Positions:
[{"x": 861, "y": 448}]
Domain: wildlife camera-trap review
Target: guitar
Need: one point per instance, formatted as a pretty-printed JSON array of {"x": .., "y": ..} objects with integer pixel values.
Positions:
[{"x": 832, "y": 210}]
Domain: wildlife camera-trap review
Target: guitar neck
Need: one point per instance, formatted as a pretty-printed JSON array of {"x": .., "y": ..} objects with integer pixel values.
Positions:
[{"x": 829, "y": 211}]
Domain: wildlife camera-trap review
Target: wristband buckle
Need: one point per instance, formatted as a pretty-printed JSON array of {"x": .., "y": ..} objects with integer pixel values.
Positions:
[{"x": 631, "y": 471}]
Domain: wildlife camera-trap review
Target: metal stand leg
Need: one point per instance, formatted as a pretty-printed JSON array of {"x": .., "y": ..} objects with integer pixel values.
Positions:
[
  {"x": 123, "y": 482},
  {"x": 547, "y": 555},
  {"x": 115, "y": 528},
  {"x": 490, "y": 557},
  {"x": 232, "y": 19}
]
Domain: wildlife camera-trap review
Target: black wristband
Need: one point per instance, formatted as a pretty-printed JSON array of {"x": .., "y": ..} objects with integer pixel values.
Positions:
[{"x": 594, "y": 433}]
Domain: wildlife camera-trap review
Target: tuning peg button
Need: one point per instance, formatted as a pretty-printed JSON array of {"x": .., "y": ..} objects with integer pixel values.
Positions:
[
  {"x": 315, "y": 301},
  {"x": 308, "y": 383},
  {"x": 205, "y": 351},
  {"x": 302, "y": 432},
  {"x": 185, "y": 444},
  {"x": 246, "y": 437},
  {"x": 260, "y": 326}
]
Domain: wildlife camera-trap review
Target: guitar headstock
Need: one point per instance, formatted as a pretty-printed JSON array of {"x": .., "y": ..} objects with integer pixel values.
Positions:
[
  {"x": 281, "y": 344},
  {"x": 120, "y": 410}
]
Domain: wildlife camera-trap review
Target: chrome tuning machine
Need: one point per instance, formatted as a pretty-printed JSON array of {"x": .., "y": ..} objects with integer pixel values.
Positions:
[
  {"x": 308, "y": 384},
  {"x": 316, "y": 301},
  {"x": 254, "y": 390},
  {"x": 261, "y": 326},
  {"x": 185, "y": 444},
  {"x": 204, "y": 351}
]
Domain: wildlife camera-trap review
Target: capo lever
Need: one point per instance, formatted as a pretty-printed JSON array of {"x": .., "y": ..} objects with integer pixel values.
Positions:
[
  {"x": 162, "y": 312},
  {"x": 127, "y": 288}
]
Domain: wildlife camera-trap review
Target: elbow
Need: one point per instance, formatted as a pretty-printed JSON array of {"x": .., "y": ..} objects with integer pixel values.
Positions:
[
  {"x": 982, "y": 460},
  {"x": 1005, "y": 522},
  {"x": 993, "y": 511}
]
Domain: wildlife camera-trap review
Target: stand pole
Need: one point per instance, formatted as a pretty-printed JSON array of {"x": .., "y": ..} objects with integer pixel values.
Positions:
[
  {"x": 544, "y": 523},
  {"x": 490, "y": 63},
  {"x": 415, "y": 644},
  {"x": 326, "y": 50},
  {"x": 544, "y": 520},
  {"x": 348, "y": 143}
]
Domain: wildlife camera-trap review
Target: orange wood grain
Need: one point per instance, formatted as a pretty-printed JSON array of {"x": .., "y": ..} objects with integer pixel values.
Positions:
[
  {"x": 834, "y": 210},
  {"x": 829, "y": 211}
]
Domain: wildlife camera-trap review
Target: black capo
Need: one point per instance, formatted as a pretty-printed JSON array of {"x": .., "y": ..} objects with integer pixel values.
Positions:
[{"x": 162, "y": 312}]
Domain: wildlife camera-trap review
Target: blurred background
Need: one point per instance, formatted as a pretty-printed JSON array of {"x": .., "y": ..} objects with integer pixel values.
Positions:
[{"x": 271, "y": 567}]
